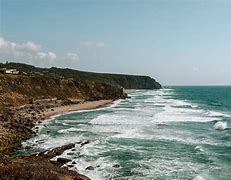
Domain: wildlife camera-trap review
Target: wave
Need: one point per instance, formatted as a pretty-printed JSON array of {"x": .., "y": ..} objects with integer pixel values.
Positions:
[
  {"x": 217, "y": 114},
  {"x": 199, "y": 177},
  {"x": 68, "y": 130},
  {"x": 220, "y": 126},
  {"x": 152, "y": 124},
  {"x": 171, "y": 114}
]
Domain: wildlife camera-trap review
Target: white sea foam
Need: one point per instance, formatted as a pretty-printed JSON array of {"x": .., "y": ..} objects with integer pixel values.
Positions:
[
  {"x": 199, "y": 177},
  {"x": 199, "y": 148},
  {"x": 171, "y": 114},
  {"x": 220, "y": 125},
  {"x": 217, "y": 114},
  {"x": 68, "y": 130}
]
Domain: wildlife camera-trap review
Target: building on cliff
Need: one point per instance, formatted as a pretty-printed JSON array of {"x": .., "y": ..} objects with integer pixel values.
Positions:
[{"x": 9, "y": 71}]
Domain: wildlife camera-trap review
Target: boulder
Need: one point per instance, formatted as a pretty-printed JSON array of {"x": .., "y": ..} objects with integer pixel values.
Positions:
[
  {"x": 116, "y": 166},
  {"x": 63, "y": 160},
  {"x": 84, "y": 142},
  {"x": 90, "y": 168},
  {"x": 56, "y": 151}
]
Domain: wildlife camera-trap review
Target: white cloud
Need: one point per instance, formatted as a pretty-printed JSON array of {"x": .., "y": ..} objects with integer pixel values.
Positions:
[
  {"x": 32, "y": 53},
  {"x": 4, "y": 43},
  {"x": 49, "y": 55},
  {"x": 100, "y": 44},
  {"x": 27, "y": 52},
  {"x": 28, "y": 46},
  {"x": 42, "y": 55},
  {"x": 72, "y": 56},
  {"x": 94, "y": 44},
  {"x": 88, "y": 43},
  {"x": 12, "y": 47}
]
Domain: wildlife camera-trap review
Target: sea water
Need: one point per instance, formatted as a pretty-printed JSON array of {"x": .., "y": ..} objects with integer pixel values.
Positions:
[{"x": 156, "y": 134}]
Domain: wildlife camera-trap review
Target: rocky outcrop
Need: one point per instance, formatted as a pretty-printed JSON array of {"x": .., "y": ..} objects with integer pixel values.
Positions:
[{"x": 35, "y": 167}]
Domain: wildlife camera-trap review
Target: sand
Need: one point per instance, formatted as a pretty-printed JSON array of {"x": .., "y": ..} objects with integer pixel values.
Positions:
[{"x": 82, "y": 106}]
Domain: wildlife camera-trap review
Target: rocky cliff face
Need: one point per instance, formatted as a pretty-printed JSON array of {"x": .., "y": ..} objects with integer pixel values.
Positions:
[{"x": 21, "y": 89}]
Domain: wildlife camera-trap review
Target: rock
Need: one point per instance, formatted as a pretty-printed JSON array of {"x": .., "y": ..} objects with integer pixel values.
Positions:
[
  {"x": 73, "y": 162},
  {"x": 70, "y": 153},
  {"x": 90, "y": 168},
  {"x": 28, "y": 147},
  {"x": 84, "y": 142},
  {"x": 63, "y": 160},
  {"x": 56, "y": 151},
  {"x": 55, "y": 163},
  {"x": 70, "y": 165},
  {"x": 116, "y": 166}
]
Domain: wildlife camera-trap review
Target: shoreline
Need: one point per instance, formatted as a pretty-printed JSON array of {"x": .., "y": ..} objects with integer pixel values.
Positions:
[
  {"x": 87, "y": 105},
  {"x": 22, "y": 126}
]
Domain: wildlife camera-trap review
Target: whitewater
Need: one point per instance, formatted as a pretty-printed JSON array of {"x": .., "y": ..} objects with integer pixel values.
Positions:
[{"x": 173, "y": 133}]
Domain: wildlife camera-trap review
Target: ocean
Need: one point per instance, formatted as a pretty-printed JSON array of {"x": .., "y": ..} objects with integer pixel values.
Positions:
[{"x": 173, "y": 133}]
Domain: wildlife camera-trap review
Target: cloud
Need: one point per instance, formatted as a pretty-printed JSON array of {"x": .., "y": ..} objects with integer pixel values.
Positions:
[
  {"x": 49, "y": 55},
  {"x": 72, "y": 56},
  {"x": 88, "y": 43},
  {"x": 94, "y": 44},
  {"x": 11, "y": 47},
  {"x": 100, "y": 44},
  {"x": 28, "y": 46},
  {"x": 32, "y": 53},
  {"x": 5, "y": 44},
  {"x": 26, "y": 52},
  {"x": 42, "y": 55}
]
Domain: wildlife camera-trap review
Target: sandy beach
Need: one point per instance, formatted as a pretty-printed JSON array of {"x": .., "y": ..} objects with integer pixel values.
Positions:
[{"x": 75, "y": 107}]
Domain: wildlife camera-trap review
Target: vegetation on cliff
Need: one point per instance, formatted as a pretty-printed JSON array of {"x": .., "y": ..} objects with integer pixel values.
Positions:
[{"x": 123, "y": 80}]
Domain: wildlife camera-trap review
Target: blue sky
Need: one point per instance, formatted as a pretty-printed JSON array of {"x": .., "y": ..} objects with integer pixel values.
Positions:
[{"x": 178, "y": 42}]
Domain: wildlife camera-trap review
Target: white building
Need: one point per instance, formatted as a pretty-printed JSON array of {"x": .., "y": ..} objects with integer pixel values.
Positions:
[
  {"x": 9, "y": 71},
  {"x": 12, "y": 71}
]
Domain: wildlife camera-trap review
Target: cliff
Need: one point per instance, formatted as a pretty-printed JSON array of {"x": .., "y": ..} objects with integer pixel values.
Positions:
[
  {"x": 17, "y": 90},
  {"x": 123, "y": 80},
  {"x": 26, "y": 97}
]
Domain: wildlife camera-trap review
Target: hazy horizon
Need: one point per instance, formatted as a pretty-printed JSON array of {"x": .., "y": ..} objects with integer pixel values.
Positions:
[{"x": 175, "y": 42}]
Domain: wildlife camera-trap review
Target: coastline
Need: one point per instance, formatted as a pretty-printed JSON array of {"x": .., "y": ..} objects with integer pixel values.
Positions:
[{"x": 36, "y": 113}]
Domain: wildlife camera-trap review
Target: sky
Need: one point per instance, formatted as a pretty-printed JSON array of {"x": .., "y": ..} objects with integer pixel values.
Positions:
[{"x": 177, "y": 42}]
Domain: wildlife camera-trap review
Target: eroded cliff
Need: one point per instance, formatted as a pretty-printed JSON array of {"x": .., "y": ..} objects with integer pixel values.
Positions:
[{"x": 17, "y": 90}]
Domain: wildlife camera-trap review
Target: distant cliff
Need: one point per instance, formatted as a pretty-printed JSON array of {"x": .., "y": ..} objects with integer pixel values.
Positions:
[
  {"x": 22, "y": 89},
  {"x": 122, "y": 80}
]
